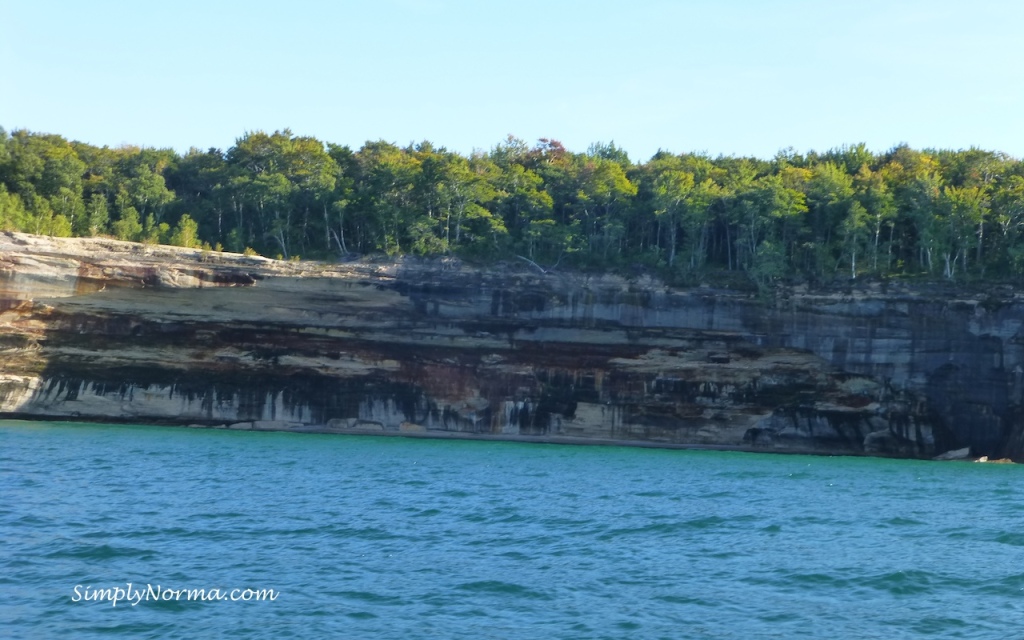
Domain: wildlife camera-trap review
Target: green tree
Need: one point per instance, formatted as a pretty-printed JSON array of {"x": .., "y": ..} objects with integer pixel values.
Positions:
[
  {"x": 963, "y": 210},
  {"x": 855, "y": 233},
  {"x": 13, "y": 215},
  {"x": 148, "y": 192},
  {"x": 830, "y": 198},
  {"x": 523, "y": 204},
  {"x": 1008, "y": 209},
  {"x": 672, "y": 186},
  {"x": 69, "y": 204},
  {"x": 384, "y": 194},
  {"x": 200, "y": 182},
  {"x": 60, "y": 227},
  {"x": 463, "y": 187},
  {"x": 97, "y": 217},
  {"x": 603, "y": 192},
  {"x": 923, "y": 206},
  {"x": 186, "y": 233},
  {"x": 768, "y": 265},
  {"x": 41, "y": 215},
  {"x": 128, "y": 226},
  {"x": 879, "y": 206}
]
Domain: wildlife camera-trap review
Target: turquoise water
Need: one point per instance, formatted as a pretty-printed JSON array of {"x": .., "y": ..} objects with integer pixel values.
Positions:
[{"x": 370, "y": 537}]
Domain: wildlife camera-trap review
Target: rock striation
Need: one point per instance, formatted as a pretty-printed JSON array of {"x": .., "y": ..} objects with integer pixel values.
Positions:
[{"x": 94, "y": 329}]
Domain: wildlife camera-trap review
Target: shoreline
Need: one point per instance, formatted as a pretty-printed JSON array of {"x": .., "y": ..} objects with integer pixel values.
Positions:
[{"x": 313, "y": 429}]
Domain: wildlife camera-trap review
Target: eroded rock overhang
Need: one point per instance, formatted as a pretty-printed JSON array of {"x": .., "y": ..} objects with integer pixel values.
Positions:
[{"x": 104, "y": 330}]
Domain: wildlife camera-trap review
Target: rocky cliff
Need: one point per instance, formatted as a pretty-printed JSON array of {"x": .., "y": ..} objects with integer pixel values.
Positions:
[{"x": 106, "y": 330}]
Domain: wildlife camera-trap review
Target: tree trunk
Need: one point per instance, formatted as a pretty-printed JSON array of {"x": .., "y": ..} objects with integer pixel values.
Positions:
[
  {"x": 327, "y": 230},
  {"x": 673, "y": 232},
  {"x": 888, "y": 259},
  {"x": 981, "y": 238},
  {"x": 728, "y": 248}
]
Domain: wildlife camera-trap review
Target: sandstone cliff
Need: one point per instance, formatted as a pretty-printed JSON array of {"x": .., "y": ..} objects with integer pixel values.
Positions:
[{"x": 106, "y": 330}]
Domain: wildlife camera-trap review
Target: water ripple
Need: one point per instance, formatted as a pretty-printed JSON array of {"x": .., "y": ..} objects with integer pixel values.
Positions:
[{"x": 380, "y": 537}]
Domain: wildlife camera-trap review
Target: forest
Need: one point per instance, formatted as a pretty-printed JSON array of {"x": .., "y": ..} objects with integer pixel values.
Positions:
[{"x": 813, "y": 217}]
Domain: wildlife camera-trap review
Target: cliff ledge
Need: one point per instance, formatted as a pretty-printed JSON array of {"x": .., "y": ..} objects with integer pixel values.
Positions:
[{"x": 96, "y": 329}]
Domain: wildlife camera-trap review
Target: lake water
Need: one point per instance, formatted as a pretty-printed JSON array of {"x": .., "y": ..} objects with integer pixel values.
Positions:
[{"x": 373, "y": 537}]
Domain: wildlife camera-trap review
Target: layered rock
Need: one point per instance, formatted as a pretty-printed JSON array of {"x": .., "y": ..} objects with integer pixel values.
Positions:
[{"x": 105, "y": 330}]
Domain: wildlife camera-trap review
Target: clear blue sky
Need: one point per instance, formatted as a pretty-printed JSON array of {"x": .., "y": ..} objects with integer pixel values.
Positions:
[{"x": 744, "y": 77}]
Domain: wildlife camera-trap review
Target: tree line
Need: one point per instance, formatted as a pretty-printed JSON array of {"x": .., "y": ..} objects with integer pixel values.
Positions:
[{"x": 843, "y": 213}]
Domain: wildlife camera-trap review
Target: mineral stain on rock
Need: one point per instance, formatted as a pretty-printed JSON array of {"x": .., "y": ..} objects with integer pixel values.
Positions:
[{"x": 104, "y": 330}]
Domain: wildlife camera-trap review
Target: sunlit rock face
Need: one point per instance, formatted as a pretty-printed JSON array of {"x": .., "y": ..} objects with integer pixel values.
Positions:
[{"x": 105, "y": 330}]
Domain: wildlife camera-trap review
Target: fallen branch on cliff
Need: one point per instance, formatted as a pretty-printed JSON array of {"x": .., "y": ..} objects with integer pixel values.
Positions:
[{"x": 540, "y": 268}]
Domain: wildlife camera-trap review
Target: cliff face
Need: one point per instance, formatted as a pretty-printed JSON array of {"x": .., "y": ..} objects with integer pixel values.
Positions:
[{"x": 94, "y": 329}]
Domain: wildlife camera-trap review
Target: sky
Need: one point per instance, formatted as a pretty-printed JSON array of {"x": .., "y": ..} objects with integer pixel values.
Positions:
[{"x": 732, "y": 77}]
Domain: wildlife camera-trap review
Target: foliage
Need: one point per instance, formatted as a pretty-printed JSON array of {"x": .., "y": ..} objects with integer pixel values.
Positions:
[{"x": 844, "y": 213}]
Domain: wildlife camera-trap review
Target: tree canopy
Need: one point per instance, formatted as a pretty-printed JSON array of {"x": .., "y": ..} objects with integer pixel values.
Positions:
[{"x": 845, "y": 213}]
